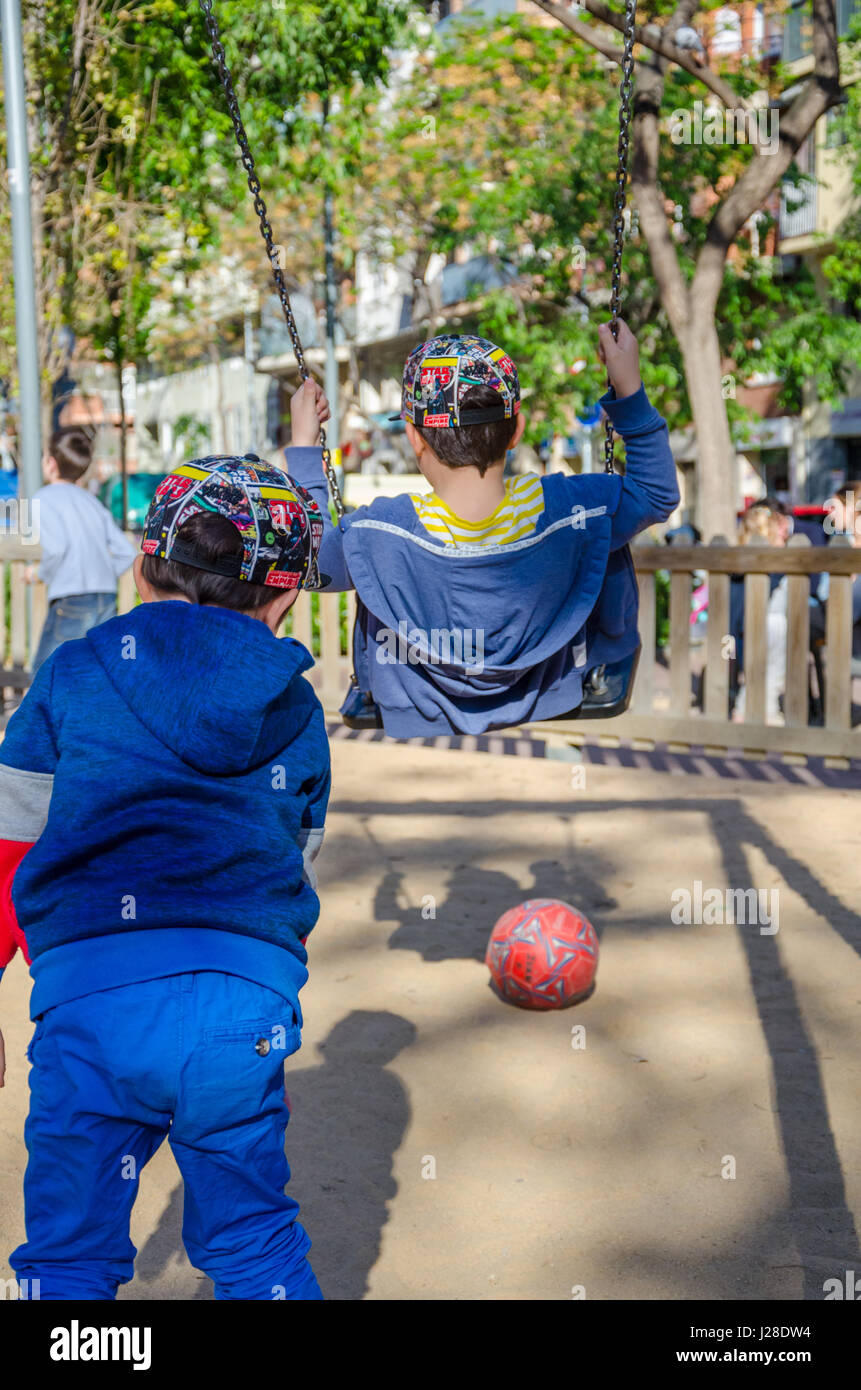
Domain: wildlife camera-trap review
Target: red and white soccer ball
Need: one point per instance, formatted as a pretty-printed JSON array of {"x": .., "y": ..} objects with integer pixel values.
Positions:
[{"x": 543, "y": 954}]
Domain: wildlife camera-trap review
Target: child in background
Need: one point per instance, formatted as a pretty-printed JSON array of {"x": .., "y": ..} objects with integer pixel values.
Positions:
[
  {"x": 163, "y": 790},
  {"x": 83, "y": 550},
  {"x": 762, "y": 524}
]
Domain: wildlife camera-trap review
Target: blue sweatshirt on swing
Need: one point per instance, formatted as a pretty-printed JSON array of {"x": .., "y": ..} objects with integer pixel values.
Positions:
[{"x": 465, "y": 638}]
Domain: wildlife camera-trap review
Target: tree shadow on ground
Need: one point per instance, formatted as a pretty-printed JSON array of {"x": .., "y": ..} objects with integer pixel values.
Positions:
[
  {"x": 820, "y": 1222},
  {"x": 461, "y": 923}
]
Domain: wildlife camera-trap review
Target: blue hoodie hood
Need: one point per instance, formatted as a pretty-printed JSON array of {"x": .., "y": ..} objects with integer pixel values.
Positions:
[{"x": 211, "y": 684}]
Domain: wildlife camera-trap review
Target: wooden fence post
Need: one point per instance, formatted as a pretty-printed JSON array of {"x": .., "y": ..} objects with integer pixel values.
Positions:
[
  {"x": 796, "y": 686},
  {"x": 680, "y": 642},
  {"x": 757, "y": 592},
  {"x": 330, "y": 650},
  {"x": 39, "y": 613},
  {"x": 645, "y": 682},
  {"x": 301, "y": 614},
  {"x": 838, "y": 645},
  {"x": 716, "y": 693}
]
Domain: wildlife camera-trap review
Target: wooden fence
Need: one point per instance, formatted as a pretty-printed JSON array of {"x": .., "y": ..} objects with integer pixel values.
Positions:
[
  {"x": 674, "y": 721},
  {"x": 662, "y": 710}
]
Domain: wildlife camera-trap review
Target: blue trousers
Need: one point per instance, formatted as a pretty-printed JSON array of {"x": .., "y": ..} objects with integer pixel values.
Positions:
[
  {"x": 198, "y": 1059},
  {"x": 72, "y": 617}
]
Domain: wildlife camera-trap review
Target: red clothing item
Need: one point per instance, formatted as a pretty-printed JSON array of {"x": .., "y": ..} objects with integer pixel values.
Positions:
[{"x": 11, "y": 935}]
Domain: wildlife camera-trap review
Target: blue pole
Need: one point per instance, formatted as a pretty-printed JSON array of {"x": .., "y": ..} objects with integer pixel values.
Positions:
[{"x": 18, "y": 162}]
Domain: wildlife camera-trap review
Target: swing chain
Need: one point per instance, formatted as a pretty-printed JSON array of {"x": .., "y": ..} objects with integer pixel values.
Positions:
[
  {"x": 219, "y": 57},
  {"x": 626, "y": 93}
]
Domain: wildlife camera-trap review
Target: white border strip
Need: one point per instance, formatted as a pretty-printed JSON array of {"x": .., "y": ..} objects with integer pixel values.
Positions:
[{"x": 454, "y": 552}]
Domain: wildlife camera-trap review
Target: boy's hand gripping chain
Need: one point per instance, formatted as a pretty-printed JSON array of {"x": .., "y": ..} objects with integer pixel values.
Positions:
[
  {"x": 220, "y": 60},
  {"x": 626, "y": 92}
]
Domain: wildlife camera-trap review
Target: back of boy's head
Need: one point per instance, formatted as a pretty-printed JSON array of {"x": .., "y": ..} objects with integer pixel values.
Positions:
[
  {"x": 462, "y": 394},
  {"x": 214, "y": 539},
  {"x": 472, "y": 446},
  {"x": 232, "y": 532},
  {"x": 71, "y": 448}
]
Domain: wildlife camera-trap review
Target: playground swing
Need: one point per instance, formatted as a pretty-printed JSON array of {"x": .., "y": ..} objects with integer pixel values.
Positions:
[{"x": 607, "y": 688}]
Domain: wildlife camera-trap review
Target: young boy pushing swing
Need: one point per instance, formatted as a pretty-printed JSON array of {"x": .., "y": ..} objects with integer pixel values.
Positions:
[
  {"x": 484, "y": 604},
  {"x": 163, "y": 790}
]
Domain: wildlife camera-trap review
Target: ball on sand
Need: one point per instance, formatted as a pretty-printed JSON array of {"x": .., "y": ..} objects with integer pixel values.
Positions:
[{"x": 543, "y": 954}]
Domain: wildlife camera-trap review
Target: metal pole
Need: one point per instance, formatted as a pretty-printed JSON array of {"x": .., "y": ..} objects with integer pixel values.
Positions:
[
  {"x": 332, "y": 432},
  {"x": 331, "y": 358},
  {"x": 17, "y": 158}
]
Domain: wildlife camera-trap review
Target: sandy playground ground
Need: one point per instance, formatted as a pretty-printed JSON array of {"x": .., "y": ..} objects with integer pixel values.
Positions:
[{"x": 446, "y": 1146}]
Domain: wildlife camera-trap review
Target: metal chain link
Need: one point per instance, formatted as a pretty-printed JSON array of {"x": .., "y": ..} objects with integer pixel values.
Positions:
[
  {"x": 626, "y": 93},
  {"x": 220, "y": 59}
]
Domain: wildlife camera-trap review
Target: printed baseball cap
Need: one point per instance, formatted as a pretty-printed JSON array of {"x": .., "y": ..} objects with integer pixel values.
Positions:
[
  {"x": 280, "y": 523},
  {"x": 439, "y": 373}
]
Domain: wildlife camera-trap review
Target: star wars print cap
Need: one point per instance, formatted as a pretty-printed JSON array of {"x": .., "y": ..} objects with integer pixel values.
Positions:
[
  {"x": 280, "y": 523},
  {"x": 439, "y": 373}
]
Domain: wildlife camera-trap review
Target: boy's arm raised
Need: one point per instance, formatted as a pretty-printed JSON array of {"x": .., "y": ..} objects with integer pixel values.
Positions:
[
  {"x": 309, "y": 409},
  {"x": 650, "y": 487},
  {"x": 305, "y": 464}
]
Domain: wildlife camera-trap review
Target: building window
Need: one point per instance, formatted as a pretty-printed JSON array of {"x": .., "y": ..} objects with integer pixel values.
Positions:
[
  {"x": 727, "y": 32},
  {"x": 835, "y": 126},
  {"x": 798, "y": 31}
]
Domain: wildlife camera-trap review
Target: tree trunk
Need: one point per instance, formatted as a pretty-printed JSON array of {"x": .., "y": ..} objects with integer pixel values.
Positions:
[
  {"x": 691, "y": 313},
  {"x": 715, "y": 457},
  {"x": 691, "y": 308}
]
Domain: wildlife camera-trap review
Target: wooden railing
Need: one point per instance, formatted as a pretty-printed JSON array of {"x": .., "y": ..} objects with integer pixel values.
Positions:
[
  {"x": 662, "y": 710},
  {"x": 24, "y": 605},
  {"x": 674, "y": 721}
]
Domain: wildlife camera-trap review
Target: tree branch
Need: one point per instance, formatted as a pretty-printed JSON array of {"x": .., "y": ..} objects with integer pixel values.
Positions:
[
  {"x": 649, "y": 35},
  {"x": 646, "y": 187},
  {"x": 764, "y": 172}
]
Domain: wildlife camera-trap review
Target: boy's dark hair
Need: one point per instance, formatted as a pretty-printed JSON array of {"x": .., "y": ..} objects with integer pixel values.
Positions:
[
  {"x": 476, "y": 446},
  {"x": 72, "y": 450},
  {"x": 847, "y": 491},
  {"x": 213, "y": 537}
]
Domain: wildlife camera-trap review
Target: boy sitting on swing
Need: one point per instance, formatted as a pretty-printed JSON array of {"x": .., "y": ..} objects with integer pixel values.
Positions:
[{"x": 485, "y": 603}]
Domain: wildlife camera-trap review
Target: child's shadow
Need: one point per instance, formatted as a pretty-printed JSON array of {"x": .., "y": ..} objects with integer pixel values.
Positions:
[
  {"x": 458, "y": 928},
  {"x": 348, "y": 1118}
]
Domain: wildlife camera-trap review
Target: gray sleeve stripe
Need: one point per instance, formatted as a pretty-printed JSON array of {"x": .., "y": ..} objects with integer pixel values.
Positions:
[
  {"x": 309, "y": 841},
  {"x": 24, "y": 801}
]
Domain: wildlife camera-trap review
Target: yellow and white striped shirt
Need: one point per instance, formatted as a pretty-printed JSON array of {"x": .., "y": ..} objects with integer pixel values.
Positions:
[{"x": 514, "y": 518}]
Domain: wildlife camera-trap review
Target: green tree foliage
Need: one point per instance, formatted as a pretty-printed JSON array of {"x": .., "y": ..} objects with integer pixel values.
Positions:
[
  {"x": 136, "y": 174},
  {"x": 842, "y": 268},
  {"x": 505, "y": 140}
]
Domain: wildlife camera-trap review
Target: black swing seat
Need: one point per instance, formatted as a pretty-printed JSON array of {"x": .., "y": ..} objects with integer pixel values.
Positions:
[
  {"x": 607, "y": 692},
  {"x": 607, "y": 689},
  {"x": 360, "y": 710}
]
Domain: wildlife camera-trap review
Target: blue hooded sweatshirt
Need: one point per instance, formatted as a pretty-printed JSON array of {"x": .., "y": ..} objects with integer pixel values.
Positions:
[
  {"x": 462, "y": 639},
  {"x": 164, "y": 786}
]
